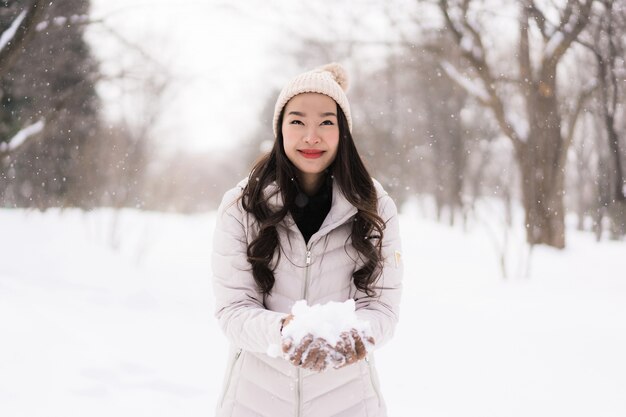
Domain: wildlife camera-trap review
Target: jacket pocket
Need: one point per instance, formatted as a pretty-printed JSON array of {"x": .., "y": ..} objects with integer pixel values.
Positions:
[
  {"x": 373, "y": 379},
  {"x": 230, "y": 376}
]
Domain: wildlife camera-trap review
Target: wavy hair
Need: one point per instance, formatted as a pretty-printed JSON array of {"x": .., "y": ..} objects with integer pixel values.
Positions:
[{"x": 356, "y": 185}]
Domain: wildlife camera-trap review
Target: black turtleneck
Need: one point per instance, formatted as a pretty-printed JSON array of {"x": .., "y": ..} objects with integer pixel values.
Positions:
[{"x": 309, "y": 211}]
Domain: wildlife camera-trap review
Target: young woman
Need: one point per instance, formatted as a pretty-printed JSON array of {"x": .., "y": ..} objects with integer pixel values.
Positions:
[{"x": 308, "y": 223}]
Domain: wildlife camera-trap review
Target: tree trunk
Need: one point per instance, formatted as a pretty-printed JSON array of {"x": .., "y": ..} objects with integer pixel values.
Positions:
[
  {"x": 543, "y": 205},
  {"x": 542, "y": 173}
]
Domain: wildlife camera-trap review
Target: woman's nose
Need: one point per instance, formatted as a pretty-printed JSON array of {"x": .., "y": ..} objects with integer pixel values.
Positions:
[{"x": 312, "y": 136}]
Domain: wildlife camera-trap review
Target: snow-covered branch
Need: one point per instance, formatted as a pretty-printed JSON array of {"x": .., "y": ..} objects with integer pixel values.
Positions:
[
  {"x": 9, "y": 34},
  {"x": 471, "y": 86},
  {"x": 555, "y": 41},
  {"x": 62, "y": 21},
  {"x": 470, "y": 47},
  {"x": 467, "y": 36},
  {"x": 22, "y": 136},
  {"x": 17, "y": 36},
  {"x": 574, "y": 21}
]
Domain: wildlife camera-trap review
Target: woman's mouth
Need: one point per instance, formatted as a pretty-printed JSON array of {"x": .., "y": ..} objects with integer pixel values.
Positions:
[{"x": 311, "y": 153}]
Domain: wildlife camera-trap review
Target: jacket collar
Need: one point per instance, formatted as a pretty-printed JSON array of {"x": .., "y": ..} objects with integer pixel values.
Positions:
[{"x": 340, "y": 210}]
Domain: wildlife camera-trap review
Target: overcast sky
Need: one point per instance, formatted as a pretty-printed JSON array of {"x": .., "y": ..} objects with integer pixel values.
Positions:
[
  {"x": 220, "y": 57},
  {"x": 226, "y": 58}
]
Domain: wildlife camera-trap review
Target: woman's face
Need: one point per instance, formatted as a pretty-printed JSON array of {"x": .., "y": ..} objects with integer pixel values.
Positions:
[{"x": 311, "y": 134}]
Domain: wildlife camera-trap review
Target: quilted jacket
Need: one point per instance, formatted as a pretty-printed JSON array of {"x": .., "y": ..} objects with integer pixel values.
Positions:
[{"x": 257, "y": 385}]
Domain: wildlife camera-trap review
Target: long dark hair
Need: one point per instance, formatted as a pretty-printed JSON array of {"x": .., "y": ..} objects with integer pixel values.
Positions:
[{"x": 354, "y": 182}]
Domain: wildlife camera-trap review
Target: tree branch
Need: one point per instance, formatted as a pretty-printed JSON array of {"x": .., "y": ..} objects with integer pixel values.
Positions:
[
  {"x": 568, "y": 31},
  {"x": 538, "y": 16},
  {"x": 524, "y": 48},
  {"x": 569, "y": 135},
  {"x": 21, "y": 138},
  {"x": 27, "y": 28},
  {"x": 479, "y": 63}
]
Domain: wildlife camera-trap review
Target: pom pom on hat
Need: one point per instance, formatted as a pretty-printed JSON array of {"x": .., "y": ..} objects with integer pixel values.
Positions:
[
  {"x": 330, "y": 79},
  {"x": 339, "y": 74}
]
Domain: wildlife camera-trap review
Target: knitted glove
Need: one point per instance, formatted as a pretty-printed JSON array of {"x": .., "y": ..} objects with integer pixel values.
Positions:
[
  {"x": 312, "y": 353},
  {"x": 316, "y": 354},
  {"x": 351, "y": 347}
]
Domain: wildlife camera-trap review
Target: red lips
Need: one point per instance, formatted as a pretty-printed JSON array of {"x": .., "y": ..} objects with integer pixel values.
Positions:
[{"x": 311, "y": 153}]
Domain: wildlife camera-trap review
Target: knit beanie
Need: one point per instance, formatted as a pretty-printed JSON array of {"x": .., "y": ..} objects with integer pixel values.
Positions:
[{"x": 330, "y": 79}]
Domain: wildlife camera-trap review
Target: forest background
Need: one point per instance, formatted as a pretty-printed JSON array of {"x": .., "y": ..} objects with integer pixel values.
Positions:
[{"x": 522, "y": 101}]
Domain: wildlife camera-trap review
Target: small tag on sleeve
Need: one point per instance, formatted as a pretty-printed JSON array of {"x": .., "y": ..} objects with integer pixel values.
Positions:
[{"x": 398, "y": 258}]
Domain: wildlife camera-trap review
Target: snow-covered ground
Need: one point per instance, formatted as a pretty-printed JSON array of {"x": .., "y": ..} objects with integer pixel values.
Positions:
[{"x": 105, "y": 314}]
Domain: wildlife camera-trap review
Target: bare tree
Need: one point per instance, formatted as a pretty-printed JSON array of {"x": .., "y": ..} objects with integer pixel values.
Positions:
[
  {"x": 607, "y": 46},
  {"x": 540, "y": 145}
]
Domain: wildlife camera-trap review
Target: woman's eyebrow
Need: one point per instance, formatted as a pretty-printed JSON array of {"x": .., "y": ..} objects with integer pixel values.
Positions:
[{"x": 298, "y": 113}]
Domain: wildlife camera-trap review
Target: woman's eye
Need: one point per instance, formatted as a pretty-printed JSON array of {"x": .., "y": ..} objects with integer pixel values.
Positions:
[
  {"x": 296, "y": 122},
  {"x": 328, "y": 122}
]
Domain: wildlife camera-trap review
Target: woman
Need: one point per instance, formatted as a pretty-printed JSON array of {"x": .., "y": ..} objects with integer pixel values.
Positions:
[{"x": 308, "y": 223}]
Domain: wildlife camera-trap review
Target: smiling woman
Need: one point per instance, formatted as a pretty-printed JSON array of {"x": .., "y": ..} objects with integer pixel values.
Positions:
[
  {"x": 310, "y": 138},
  {"x": 308, "y": 223}
]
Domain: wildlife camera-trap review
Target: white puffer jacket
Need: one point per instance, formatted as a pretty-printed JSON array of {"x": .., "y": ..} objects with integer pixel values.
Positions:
[{"x": 257, "y": 385}]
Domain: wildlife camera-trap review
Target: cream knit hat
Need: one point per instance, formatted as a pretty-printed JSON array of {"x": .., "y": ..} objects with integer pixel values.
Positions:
[{"x": 330, "y": 79}]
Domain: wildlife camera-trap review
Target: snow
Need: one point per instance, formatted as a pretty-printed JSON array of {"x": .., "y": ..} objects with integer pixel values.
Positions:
[
  {"x": 558, "y": 37},
  {"x": 327, "y": 321},
  {"x": 76, "y": 18},
  {"x": 62, "y": 21},
  {"x": 554, "y": 42},
  {"x": 59, "y": 20},
  {"x": 8, "y": 34},
  {"x": 470, "y": 86},
  {"x": 20, "y": 137},
  {"x": 467, "y": 45},
  {"x": 43, "y": 25},
  {"x": 105, "y": 313},
  {"x": 519, "y": 125}
]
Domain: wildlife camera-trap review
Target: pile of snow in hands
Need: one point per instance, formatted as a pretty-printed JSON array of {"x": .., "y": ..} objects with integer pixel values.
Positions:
[{"x": 324, "y": 321}]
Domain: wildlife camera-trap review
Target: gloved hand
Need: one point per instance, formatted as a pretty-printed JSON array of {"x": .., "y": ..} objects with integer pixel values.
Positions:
[
  {"x": 311, "y": 353},
  {"x": 316, "y": 354},
  {"x": 352, "y": 347}
]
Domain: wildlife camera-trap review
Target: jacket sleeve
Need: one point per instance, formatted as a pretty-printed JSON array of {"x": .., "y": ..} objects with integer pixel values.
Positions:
[
  {"x": 381, "y": 310},
  {"x": 238, "y": 301}
]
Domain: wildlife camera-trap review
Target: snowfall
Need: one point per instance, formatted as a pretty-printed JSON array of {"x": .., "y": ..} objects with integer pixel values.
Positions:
[{"x": 110, "y": 313}]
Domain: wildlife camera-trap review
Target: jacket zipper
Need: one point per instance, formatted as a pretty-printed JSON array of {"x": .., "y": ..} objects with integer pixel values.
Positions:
[
  {"x": 306, "y": 276},
  {"x": 304, "y": 293},
  {"x": 369, "y": 368},
  {"x": 230, "y": 375}
]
